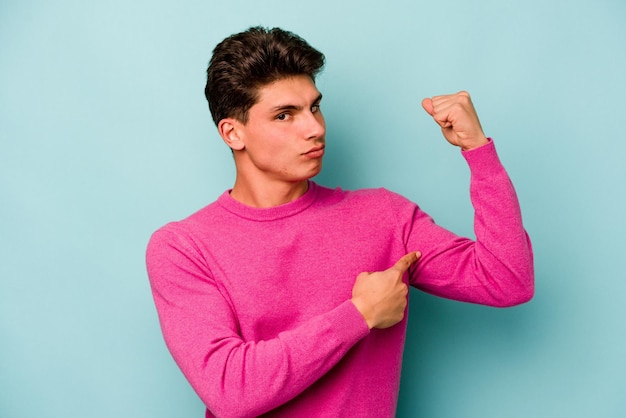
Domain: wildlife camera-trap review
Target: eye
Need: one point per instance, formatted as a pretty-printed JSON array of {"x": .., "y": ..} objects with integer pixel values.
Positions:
[
  {"x": 315, "y": 108},
  {"x": 282, "y": 116}
]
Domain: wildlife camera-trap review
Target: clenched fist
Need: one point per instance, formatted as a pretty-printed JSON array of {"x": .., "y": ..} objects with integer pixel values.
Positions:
[{"x": 457, "y": 117}]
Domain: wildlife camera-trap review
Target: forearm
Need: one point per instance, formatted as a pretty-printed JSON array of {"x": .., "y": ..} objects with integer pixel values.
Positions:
[
  {"x": 502, "y": 245},
  {"x": 232, "y": 375},
  {"x": 237, "y": 378},
  {"x": 497, "y": 268}
]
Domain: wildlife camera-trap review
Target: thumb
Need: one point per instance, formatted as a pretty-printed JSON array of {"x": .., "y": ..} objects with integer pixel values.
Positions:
[
  {"x": 428, "y": 106},
  {"x": 405, "y": 262}
]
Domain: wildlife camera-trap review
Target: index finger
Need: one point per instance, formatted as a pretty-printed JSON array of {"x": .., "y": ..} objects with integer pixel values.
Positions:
[{"x": 405, "y": 261}]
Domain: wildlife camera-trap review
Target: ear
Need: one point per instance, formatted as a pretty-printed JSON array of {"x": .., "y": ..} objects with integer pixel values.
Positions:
[{"x": 228, "y": 129}]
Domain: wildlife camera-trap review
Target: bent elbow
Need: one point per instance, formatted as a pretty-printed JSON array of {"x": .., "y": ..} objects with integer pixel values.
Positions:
[
  {"x": 518, "y": 295},
  {"x": 237, "y": 400},
  {"x": 225, "y": 407},
  {"x": 519, "y": 298}
]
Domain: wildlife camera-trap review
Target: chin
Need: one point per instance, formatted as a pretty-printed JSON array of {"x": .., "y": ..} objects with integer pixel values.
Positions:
[
  {"x": 315, "y": 172},
  {"x": 308, "y": 174}
]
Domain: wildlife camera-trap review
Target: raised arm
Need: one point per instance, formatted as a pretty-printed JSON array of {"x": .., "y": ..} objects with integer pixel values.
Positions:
[{"x": 497, "y": 268}]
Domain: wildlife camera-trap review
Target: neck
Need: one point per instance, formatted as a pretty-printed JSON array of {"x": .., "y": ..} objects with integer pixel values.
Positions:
[{"x": 267, "y": 195}]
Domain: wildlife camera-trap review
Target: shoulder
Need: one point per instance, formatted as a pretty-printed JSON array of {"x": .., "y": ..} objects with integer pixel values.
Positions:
[
  {"x": 180, "y": 233},
  {"x": 367, "y": 200},
  {"x": 377, "y": 196},
  {"x": 365, "y": 193}
]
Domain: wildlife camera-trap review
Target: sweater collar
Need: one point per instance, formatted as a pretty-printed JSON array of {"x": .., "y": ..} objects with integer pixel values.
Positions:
[{"x": 273, "y": 213}]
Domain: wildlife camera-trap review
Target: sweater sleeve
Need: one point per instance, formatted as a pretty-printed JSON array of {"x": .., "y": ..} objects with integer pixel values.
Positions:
[
  {"x": 234, "y": 377},
  {"x": 497, "y": 268}
]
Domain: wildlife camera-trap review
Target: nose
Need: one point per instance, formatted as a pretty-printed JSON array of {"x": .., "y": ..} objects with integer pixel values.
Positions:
[{"x": 315, "y": 125}]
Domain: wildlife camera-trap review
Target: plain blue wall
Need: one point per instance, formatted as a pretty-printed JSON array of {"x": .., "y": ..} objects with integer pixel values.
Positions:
[{"x": 105, "y": 136}]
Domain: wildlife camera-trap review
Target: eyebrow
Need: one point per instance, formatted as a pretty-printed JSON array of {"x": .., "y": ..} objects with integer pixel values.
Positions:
[{"x": 294, "y": 107}]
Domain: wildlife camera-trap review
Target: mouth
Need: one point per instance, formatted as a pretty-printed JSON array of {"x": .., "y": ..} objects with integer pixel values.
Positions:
[{"x": 315, "y": 152}]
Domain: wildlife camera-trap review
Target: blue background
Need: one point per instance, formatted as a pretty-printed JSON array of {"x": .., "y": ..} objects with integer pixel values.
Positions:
[{"x": 105, "y": 135}]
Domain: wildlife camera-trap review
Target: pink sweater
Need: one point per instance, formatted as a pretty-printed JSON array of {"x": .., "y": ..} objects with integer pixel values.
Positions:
[{"x": 255, "y": 306}]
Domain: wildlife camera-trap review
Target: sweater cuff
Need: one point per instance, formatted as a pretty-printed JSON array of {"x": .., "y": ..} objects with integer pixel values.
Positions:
[
  {"x": 483, "y": 161},
  {"x": 351, "y": 322}
]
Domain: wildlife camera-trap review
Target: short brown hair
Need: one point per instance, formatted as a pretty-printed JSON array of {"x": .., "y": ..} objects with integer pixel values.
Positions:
[{"x": 247, "y": 61}]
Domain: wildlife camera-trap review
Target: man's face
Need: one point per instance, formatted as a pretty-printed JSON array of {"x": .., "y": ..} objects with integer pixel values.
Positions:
[{"x": 283, "y": 139}]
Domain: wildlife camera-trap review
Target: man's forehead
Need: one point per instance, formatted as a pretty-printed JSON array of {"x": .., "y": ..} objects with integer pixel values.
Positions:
[{"x": 292, "y": 91}]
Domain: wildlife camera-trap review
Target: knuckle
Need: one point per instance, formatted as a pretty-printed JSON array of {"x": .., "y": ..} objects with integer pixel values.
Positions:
[{"x": 464, "y": 99}]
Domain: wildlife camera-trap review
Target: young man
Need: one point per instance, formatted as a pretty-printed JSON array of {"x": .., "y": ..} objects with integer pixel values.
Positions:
[{"x": 289, "y": 298}]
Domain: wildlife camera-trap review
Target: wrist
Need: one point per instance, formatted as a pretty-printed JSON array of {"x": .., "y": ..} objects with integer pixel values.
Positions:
[
  {"x": 470, "y": 145},
  {"x": 364, "y": 311}
]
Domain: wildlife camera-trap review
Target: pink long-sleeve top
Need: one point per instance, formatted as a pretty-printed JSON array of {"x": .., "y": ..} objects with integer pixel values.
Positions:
[{"x": 255, "y": 306}]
